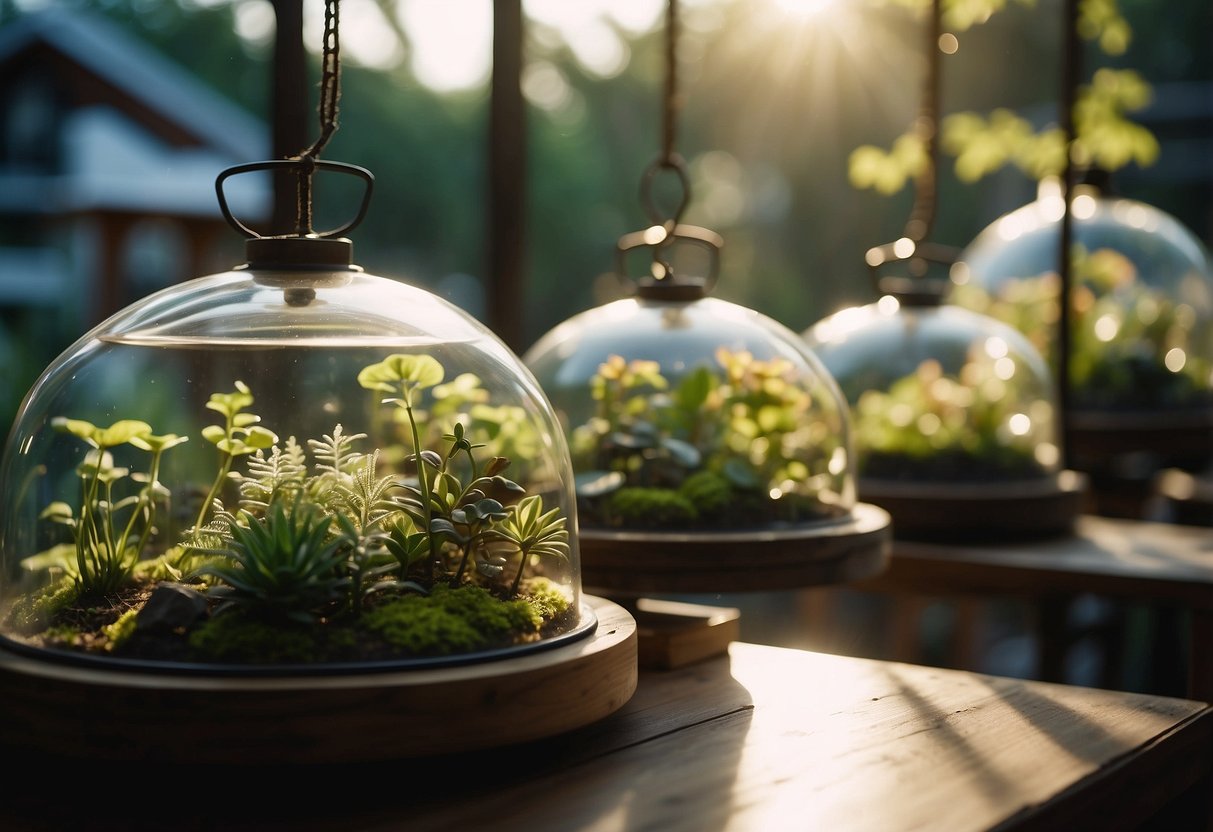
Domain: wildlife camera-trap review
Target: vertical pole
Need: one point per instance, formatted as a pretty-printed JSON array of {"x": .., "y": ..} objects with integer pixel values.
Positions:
[
  {"x": 288, "y": 106},
  {"x": 1071, "y": 61},
  {"x": 507, "y": 177}
]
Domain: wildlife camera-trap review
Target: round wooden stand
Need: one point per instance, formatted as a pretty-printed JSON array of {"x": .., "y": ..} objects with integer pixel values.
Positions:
[
  {"x": 107, "y": 716},
  {"x": 980, "y": 511},
  {"x": 831, "y": 552}
]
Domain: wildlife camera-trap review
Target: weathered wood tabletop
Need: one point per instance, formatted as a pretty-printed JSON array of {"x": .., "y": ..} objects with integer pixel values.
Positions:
[{"x": 765, "y": 738}]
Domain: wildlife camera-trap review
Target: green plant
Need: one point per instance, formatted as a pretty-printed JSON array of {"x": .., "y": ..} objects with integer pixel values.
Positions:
[
  {"x": 974, "y": 425},
  {"x": 1132, "y": 346},
  {"x": 1104, "y": 136},
  {"x": 239, "y": 435},
  {"x": 285, "y": 564},
  {"x": 534, "y": 532},
  {"x": 747, "y": 422},
  {"x": 307, "y": 550},
  {"x": 106, "y": 544}
]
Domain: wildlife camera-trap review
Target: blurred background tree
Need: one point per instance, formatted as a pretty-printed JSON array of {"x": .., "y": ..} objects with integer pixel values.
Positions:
[{"x": 777, "y": 94}]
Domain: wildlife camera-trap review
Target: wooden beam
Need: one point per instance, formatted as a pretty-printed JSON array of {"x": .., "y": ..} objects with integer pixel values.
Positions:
[
  {"x": 507, "y": 156},
  {"x": 288, "y": 105}
]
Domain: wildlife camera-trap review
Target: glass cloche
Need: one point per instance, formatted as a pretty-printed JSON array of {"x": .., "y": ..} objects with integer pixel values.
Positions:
[
  {"x": 700, "y": 432},
  {"x": 954, "y": 413},
  {"x": 1141, "y": 308},
  {"x": 288, "y": 465}
]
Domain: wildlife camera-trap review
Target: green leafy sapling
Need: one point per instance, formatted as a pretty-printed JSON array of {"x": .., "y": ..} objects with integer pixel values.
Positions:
[
  {"x": 107, "y": 545},
  {"x": 240, "y": 435},
  {"x": 402, "y": 376}
]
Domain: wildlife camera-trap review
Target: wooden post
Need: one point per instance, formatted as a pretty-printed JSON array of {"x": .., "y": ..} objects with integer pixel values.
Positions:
[
  {"x": 507, "y": 178},
  {"x": 288, "y": 106},
  {"x": 1071, "y": 61}
]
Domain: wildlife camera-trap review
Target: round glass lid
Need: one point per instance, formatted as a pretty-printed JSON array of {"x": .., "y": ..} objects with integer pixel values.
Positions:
[
  {"x": 956, "y": 424},
  {"x": 940, "y": 394},
  {"x": 289, "y": 466},
  {"x": 1141, "y": 306},
  {"x": 711, "y": 447}
]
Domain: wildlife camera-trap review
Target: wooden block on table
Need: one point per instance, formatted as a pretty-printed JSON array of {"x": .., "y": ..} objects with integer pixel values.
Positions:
[{"x": 672, "y": 634}]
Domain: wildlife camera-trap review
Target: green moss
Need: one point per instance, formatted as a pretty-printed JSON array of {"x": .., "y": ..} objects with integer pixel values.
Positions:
[
  {"x": 31, "y": 613},
  {"x": 120, "y": 630},
  {"x": 238, "y": 638},
  {"x": 651, "y": 508},
  {"x": 546, "y": 599},
  {"x": 709, "y": 492},
  {"x": 452, "y": 621}
]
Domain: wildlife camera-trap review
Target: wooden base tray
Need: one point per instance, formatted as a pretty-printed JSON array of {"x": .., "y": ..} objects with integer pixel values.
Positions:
[
  {"x": 1179, "y": 434},
  {"x": 111, "y": 715},
  {"x": 672, "y": 563},
  {"x": 980, "y": 511}
]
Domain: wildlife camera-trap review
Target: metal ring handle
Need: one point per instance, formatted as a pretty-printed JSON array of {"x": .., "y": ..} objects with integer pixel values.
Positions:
[
  {"x": 691, "y": 234},
  {"x": 277, "y": 164},
  {"x": 922, "y": 252}
]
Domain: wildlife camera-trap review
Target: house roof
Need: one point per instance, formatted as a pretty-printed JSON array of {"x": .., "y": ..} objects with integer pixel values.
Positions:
[{"x": 141, "y": 73}]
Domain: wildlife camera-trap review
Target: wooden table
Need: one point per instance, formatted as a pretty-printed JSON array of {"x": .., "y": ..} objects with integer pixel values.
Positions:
[
  {"x": 764, "y": 739},
  {"x": 1140, "y": 561}
]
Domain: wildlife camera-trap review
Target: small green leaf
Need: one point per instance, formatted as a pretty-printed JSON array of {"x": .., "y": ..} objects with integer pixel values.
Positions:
[
  {"x": 57, "y": 512},
  {"x": 121, "y": 431},
  {"x": 76, "y": 427},
  {"x": 259, "y": 437},
  {"x": 410, "y": 368}
]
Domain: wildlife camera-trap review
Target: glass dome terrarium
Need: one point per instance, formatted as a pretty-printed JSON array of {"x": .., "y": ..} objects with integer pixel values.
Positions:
[
  {"x": 712, "y": 449},
  {"x": 1141, "y": 316},
  {"x": 954, "y": 412},
  {"x": 292, "y": 472}
]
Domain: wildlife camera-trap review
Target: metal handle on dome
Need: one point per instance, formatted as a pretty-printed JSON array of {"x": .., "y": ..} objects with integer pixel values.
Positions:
[
  {"x": 277, "y": 164},
  {"x": 692, "y": 234}
]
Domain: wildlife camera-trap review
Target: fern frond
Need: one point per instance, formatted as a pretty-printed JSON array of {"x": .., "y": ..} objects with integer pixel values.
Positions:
[{"x": 334, "y": 454}]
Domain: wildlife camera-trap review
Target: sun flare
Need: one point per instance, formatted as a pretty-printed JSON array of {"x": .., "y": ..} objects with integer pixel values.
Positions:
[{"x": 805, "y": 9}]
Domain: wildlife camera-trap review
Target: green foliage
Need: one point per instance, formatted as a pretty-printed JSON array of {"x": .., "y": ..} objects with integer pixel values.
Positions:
[
  {"x": 284, "y": 565},
  {"x": 747, "y": 421},
  {"x": 112, "y": 530},
  {"x": 887, "y": 172},
  {"x": 304, "y": 546},
  {"x": 239, "y": 435},
  {"x": 1122, "y": 332},
  {"x": 932, "y": 426},
  {"x": 960, "y": 15},
  {"x": 1104, "y": 136},
  {"x": 534, "y": 533}
]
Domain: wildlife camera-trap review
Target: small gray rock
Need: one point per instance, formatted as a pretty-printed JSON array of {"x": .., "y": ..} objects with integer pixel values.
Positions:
[{"x": 171, "y": 607}]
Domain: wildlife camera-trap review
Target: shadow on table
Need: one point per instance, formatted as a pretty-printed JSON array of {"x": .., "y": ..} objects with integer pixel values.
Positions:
[{"x": 499, "y": 788}]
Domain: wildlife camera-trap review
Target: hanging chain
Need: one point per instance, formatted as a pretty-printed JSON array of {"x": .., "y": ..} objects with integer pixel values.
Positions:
[
  {"x": 664, "y": 224},
  {"x": 913, "y": 248},
  {"x": 670, "y": 99},
  {"x": 922, "y": 217},
  {"x": 330, "y": 94}
]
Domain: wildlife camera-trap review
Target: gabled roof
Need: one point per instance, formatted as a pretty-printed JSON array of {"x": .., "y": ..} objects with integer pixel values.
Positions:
[{"x": 138, "y": 71}]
